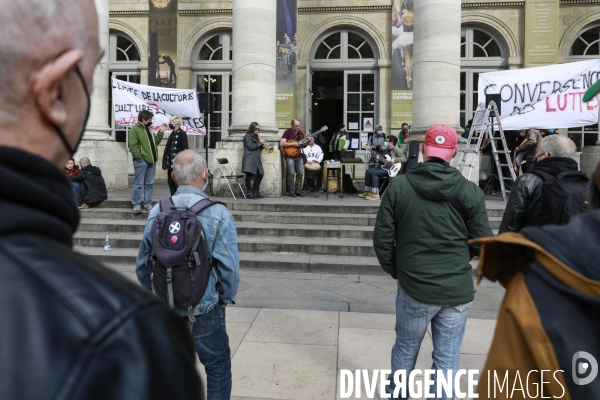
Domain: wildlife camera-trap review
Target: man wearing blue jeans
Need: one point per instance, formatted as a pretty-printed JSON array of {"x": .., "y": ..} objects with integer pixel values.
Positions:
[
  {"x": 420, "y": 238},
  {"x": 372, "y": 175},
  {"x": 143, "y": 147},
  {"x": 208, "y": 331}
]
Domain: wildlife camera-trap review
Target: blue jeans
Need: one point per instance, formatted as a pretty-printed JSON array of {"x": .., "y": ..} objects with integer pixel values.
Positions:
[
  {"x": 294, "y": 165},
  {"x": 144, "y": 173},
  {"x": 372, "y": 177},
  {"x": 447, "y": 330},
  {"x": 75, "y": 189},
  {"x": 212, "y": 346}
]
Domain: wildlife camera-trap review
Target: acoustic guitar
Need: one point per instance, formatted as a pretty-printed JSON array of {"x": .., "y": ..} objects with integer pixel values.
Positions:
[
  {"x": 294, "y": 151},
  {"x": 390, "y": 167}
]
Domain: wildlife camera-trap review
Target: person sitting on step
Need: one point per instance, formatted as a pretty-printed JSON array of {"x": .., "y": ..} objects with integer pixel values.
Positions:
[
  {"x": 372, "y": 175},
  {"x": 92, "y": 189}
]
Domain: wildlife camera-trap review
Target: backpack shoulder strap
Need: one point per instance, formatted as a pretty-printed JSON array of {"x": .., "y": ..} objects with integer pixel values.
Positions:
[
  {"x": 203, "y": 204},
  {"x": 166, "y": 203},
  {"x": 578, "y": 174},
  {"x": 543, "y": 174}
]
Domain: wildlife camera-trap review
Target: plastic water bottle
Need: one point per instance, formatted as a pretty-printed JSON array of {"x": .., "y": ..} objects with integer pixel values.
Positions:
[{"x": 106, "y": 244}]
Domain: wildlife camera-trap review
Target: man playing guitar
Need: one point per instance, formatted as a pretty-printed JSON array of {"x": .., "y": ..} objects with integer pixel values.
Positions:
[
  {"x": 373, "y": 174},
  {"x": 293, "y": 164}
]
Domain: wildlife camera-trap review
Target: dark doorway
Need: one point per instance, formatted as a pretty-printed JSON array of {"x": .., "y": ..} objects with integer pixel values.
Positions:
[{"x": 328, "y": 103}]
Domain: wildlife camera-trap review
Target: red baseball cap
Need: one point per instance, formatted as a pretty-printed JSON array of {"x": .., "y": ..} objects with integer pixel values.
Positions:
[{"x": 440, "y": 142}]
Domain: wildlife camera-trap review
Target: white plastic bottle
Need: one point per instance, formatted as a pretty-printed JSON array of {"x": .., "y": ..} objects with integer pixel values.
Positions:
[{"x": 106, "y": 244}]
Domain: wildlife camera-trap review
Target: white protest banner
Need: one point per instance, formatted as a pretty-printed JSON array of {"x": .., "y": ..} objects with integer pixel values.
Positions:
[
  {"x": 544, "y": 97},
  {"x": 130, "y": 98}
]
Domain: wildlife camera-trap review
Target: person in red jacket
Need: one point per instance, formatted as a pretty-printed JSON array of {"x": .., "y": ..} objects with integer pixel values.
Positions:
[{"x": 71, "y": 169}]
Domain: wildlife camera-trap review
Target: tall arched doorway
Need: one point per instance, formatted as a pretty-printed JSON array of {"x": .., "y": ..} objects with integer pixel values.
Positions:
[
  {"x": 123, "y": 59},
  {"x": 343, "y": 82},
  {"x": 480, "y": 52},
  {"x": 211, "y": 71}
]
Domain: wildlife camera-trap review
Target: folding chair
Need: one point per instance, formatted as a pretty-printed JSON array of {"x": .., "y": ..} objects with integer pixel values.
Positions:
[{"x": 232, "y": 175}]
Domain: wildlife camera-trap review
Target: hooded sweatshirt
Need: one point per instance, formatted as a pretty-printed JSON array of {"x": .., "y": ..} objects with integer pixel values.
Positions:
[
  {"x": 91, "y": 184},
  {"x": 421, "y": 239},
  {"x": 36, "y": 197}
]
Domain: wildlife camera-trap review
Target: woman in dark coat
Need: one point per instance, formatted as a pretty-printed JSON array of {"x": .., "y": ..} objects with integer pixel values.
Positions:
[
  {"x": 177, "y": 142},
  {"x": 251, "y": 164}
]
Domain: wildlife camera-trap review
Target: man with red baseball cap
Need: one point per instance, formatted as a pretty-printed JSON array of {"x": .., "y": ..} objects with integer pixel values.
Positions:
[{"x": 420, "y": 238}]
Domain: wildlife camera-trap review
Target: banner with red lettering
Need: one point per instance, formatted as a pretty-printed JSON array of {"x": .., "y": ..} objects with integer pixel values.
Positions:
[
  {"x": 130, "y": 98},
  {"x": 544, "y": 97}
]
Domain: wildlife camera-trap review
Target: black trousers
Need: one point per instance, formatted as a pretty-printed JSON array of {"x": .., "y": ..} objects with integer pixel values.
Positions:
[
  {"x": 249, "y": 176},
  {"x": 172, "y": 185}
]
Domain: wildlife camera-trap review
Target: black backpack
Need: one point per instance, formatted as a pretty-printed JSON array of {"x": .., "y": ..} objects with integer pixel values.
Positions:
[
  {"x": 413, "y": 155},
  {"x": 563, "y": 197},
  {"x": 178, "y": 263}
]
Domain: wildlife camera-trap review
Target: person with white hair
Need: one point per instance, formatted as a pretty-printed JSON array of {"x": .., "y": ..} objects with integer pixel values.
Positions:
[
  {"x": 527, "y": 205},
  {"x": 70, "y": 328},
  {"x": 176, "y": 143},
  {"x": 209, "y": 331}
]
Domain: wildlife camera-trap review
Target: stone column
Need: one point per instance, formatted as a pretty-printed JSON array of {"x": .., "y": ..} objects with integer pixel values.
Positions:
[
  {"x": 253, "y": 91},
  {"x": 98, "y": 144},
  {"x": 436, "y": 71},
  {"x": 254, "y": 58}
]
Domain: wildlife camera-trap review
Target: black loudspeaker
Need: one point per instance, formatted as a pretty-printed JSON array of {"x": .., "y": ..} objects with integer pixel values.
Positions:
[
  {"x": 495, "y": 97},
  {"x": 205, "y": 102}
]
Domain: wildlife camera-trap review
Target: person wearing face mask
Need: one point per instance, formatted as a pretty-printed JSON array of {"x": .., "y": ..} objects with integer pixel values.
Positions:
[
  {"x": 143, "y": 145},
  {"x": 67, "y": 323},
  {"x": 376, "y": 145},
  {"x": 176, "y": 143},
  {"x": 339, "y": 142}
]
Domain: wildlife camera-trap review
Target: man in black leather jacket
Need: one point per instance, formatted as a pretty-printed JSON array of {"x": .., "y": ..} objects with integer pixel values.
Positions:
[
  {"x": 554, "y": 155},
  {"x": 69, "y": 327}
]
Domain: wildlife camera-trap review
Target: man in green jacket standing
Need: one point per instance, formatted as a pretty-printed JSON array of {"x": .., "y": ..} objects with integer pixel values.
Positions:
[
  {"x": 420, "y": 238},
  {"x": 143, "y": 147}
]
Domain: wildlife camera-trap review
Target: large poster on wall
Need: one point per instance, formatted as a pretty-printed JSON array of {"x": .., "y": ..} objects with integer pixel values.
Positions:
[
  {"x": 285, "y": 47},
  {"x": 541, "y": 32},
  {"x": 544, "y": 97},
  {"x": 402, "y": 62},
  {"x": 162, "y": 60},
  {"x": 130, "y": 98}
]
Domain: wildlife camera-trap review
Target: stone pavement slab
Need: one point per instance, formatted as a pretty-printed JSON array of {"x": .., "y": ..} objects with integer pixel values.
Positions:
[{"x": 297, "y": 354}]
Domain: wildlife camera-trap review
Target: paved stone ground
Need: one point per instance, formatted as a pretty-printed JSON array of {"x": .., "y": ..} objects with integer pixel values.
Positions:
[{"x": 291, "y": 333}]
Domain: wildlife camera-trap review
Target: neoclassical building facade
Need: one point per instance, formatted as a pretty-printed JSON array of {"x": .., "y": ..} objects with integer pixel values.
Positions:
[{"x": 343, "y": 57}]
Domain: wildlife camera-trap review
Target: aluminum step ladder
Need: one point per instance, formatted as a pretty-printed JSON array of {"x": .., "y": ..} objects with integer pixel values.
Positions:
[{"x": 487, "y": 122}]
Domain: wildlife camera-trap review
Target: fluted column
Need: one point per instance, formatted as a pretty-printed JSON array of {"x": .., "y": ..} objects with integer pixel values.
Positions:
[
  {"x": 253, "y": 92},
  {"x": 98, "y": 144},
  {"x": 436, "y": 71},
  {"x": 98, "y": 127}
]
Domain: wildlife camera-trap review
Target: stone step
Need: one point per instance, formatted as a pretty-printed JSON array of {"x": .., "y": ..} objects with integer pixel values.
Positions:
[
  {"x": 124, "y": 261},
  {"x": 315, "y": 219},
  {"x": 259, "y": 217},
  {"x": 304, "y": 205},
  {"x": 243, "y": 229},
  {"x": 273, "y": 244}
]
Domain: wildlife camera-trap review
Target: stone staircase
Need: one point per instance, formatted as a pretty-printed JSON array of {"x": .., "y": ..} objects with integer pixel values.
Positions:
[{"x": 273, "y": 234}]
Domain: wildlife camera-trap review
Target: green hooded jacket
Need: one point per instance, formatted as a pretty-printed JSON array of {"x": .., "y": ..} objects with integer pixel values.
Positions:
[
  {"x": 421, "y": 240},
  {"x": 139, "y": 143}
]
